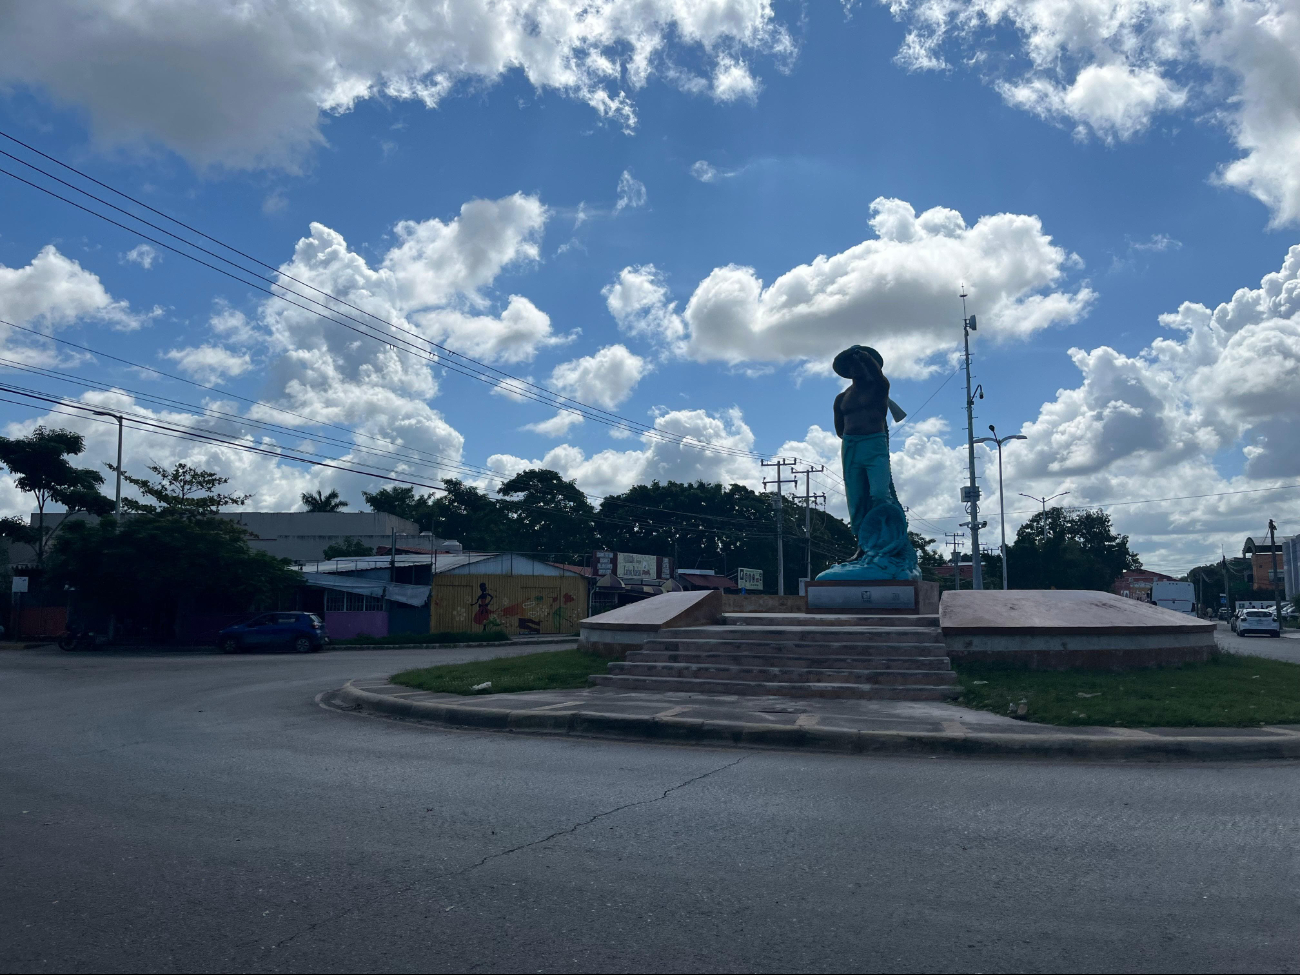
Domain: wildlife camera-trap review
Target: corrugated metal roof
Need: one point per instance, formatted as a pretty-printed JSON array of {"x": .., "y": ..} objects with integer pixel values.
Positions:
[{"x": 396, "y": 591}]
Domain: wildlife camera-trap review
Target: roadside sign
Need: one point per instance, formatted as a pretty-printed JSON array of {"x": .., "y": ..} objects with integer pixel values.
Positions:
[
  {"x": 749, "y": 579},
  {"x": 19, "y": 584}
]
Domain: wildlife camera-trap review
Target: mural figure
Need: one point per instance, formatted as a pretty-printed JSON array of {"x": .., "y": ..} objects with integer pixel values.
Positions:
[
  {"x": 875, "y": 516},
  {"x": 483, "y": 612}
]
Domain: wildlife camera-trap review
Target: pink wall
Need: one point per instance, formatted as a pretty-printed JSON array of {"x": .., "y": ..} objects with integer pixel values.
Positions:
[{"x": 344, "y": 626}]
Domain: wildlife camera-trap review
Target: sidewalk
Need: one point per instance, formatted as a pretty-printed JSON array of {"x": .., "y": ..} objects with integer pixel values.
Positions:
[{"x": 851, "y": 726}]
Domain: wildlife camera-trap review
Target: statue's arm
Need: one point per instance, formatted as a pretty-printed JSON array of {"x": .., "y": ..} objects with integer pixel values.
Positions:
[
  {"x": 875, "y": 372},
  {"x": 839, "y": 417}
]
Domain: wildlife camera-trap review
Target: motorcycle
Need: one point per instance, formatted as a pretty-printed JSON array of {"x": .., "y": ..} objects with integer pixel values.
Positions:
[{"x": 80, "y": 638}]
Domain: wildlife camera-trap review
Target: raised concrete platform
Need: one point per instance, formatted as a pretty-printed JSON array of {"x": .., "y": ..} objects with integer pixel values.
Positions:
[
  {"x": 1060, "y": 629},
  {"x": 793, "y": 655}
]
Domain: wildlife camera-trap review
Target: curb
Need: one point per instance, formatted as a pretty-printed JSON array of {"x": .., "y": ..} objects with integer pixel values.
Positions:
[
  {"x": 675, "y": 730},
  {"x": 450, "y": 646}
]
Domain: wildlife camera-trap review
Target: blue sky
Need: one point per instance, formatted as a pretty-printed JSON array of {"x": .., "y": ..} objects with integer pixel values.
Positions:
[{"x": 1080, "y": 195}]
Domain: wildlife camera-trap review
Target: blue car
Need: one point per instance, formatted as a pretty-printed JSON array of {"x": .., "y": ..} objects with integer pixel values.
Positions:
[{"x": 303, "y": 632}]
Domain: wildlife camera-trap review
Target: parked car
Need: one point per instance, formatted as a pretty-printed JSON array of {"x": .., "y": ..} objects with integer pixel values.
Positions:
[
  {"x": 303, "y": 632},
  {"x": 1258, "y": 621}
]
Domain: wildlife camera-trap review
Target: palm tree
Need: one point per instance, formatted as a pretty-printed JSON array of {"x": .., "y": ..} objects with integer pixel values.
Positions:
[{"x": 323, "y": 502}]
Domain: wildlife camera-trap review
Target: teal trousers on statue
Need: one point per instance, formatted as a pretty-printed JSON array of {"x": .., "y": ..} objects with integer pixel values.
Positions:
[{"x": 867, "y": 480}]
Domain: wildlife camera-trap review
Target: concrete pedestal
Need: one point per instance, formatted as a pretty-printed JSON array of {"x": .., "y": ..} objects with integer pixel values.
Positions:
[{"x": 873, "y": 597}]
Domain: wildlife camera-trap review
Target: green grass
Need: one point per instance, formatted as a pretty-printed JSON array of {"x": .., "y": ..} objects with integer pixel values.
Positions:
[
  {"x": 422, "y": 639},
  {"x": 1228, "y": 691},
  {"x": 530, "y": 672}
]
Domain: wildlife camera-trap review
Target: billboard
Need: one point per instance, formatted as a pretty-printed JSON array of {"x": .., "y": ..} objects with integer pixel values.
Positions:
[
  {"x": 631, "y": 566},
  {"x": 636, "y": 568},
  {"x": 751, "y": 580}
]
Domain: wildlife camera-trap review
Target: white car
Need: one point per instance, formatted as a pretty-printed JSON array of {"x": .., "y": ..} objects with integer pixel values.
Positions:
[{"x": 1257, "y": 621}]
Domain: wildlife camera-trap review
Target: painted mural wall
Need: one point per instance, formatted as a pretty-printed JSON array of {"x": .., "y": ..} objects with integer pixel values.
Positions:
[{"x": 509, "y": 604}]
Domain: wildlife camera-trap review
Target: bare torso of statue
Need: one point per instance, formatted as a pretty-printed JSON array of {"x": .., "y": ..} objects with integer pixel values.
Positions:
[{"x": 860, "y": 409}]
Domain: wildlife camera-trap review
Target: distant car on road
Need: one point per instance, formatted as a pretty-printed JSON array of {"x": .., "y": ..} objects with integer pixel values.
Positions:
[
  {"x": 1258, "y": 621},
  {"x": 303, "y": 632}
]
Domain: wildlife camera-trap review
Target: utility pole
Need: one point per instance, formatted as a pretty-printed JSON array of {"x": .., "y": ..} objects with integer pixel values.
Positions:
[
  {"x": 953, "y": 539},
  {"x": 972, "y": 493},
  {"x": 118, "y": 494},
  {"x": 780, "y": 517},
  {"x": 1277, "y": 599},
  {"x": 808, "y": 499}
]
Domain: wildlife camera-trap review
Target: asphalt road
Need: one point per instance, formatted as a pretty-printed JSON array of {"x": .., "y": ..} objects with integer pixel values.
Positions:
[
  {"x": 1286, "y": 648},
  {"x": 198, "y": 813}
]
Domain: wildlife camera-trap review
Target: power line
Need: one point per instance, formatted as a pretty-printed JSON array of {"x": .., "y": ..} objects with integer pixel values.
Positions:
[{"x": 449, "y": 358}]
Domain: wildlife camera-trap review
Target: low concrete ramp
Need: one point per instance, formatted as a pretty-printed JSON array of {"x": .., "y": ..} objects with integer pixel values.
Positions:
[
  {"x": 1056, "y": 629},
  {"x": 612, "y": 634}
]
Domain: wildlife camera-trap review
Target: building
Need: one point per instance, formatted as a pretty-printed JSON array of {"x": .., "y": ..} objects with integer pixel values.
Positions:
[
  {"x": 301, "y": 536},
  {"x": 1136, "y": 583},
  {"x": 382, "y": 595},
  {"x": 1266, "y": 562},
  {"x": 1291, "y": 566},
  {"x": 695, "y": 579}
]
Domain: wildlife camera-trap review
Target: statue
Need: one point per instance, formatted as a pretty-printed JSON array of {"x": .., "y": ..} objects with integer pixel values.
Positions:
[{"x": 877, "y": 519}]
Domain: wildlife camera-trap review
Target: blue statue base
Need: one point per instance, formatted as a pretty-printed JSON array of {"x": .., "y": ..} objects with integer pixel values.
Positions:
[{"x": 887, "y": 551}]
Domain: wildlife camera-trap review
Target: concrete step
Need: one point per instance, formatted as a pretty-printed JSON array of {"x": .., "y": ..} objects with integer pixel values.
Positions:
[
  {"x": 826, "y": 619},
  {"x": 806, "y": 634},
  {"x": 798, "y": 648},
  {"x": 783, "y": 675},
  {"x": 777, "y": 689},
  {"x": 816, "y": 659}
]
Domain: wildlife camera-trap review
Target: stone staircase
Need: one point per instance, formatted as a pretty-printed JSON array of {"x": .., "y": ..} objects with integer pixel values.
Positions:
[{"x": 899, "y": 658}]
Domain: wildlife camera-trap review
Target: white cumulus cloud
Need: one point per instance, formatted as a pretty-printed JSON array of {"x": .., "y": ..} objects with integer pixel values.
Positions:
[
  {"x": 208, "y": 363},
  {"x": 247, "y": 85},
  {"x": 53, "y": 291},
  {"x": 897, "y": 292},
  {"x": 1111, "y": 67},
  {"x": 605, "y": 379}
]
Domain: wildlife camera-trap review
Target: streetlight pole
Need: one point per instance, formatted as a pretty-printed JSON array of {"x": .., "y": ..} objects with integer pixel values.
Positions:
[
  {"x": 118, "y": 492},
  {"x": 1002, "y": 504},
  {"x": 1043, "y": 532}
]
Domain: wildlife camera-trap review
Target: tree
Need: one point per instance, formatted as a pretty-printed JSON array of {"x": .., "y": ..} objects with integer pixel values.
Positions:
[
  {"x": 183, "y": 490},
  {"x": 708, "y": 526},
  {"x": 404, "y": 503},
  {"x": 928, "y": 559},
  {"x": 1069, "y": 550},
  {"x": 323, "y": 502},
  {"x": 349, "y": 548},
  {"x": 157, "y": 564},
  {"x": 549, "y": 515},
  {"x": 39, "y": 463}
]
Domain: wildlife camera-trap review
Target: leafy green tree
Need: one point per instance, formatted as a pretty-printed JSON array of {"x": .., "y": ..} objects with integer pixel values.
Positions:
[
  {"x": 323, "y": 502},
  {"x": 40, "y": 466},
  {"x": 1069, "y": 550},
  {"x": 469, "y": 516},
  {"x": 928, "y": 559},
  {"x": 157, "y": 564},
  {"x": 547, "y": 514},
  {"x": 182, "y": 490},
  {"x": 404, "y": 503},
  {"x": 349, "y": 548}
]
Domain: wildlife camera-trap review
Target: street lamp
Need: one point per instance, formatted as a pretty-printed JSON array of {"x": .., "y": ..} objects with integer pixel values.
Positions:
[
  {"x": 1043, "y": 502},
  {"x": 1002, "y": 505},
  {"x": 118, "y": 417}
]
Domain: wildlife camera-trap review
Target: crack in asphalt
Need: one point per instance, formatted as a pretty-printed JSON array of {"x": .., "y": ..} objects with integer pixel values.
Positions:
[{"x": 504, "y": 853}]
